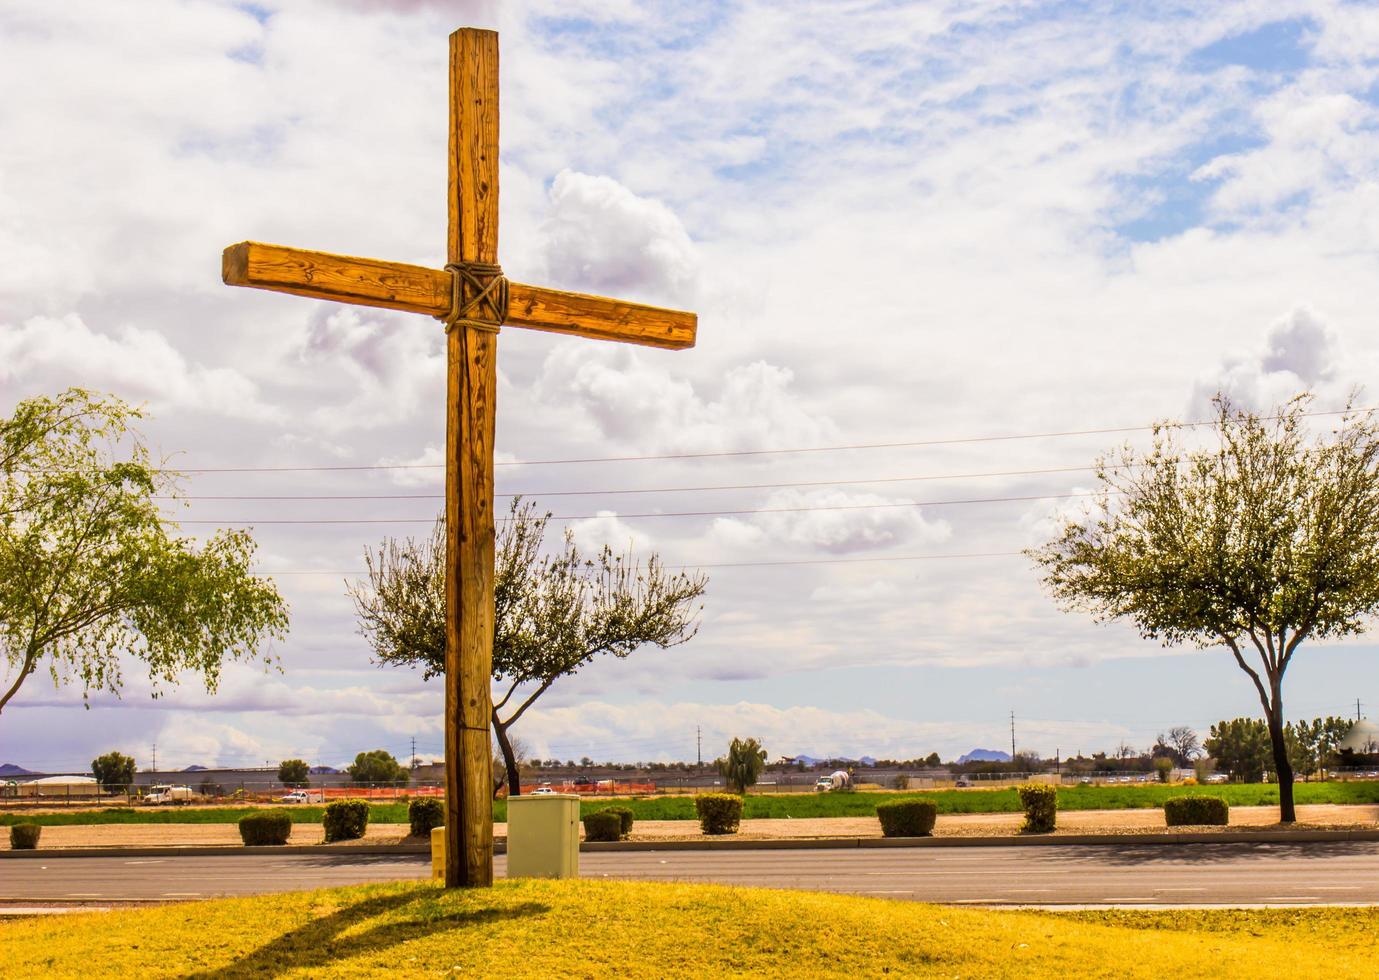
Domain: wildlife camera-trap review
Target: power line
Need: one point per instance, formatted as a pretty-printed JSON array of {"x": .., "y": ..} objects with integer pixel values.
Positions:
[
  {"x": 683, "y": 513},
  {"x": 739, "y": 453},
  {"x": 739, "y": 564},
  {"x": 636, "y": 490}
]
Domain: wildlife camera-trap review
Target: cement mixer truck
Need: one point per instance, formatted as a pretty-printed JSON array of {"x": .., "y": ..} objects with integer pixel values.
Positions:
[{"x": 835, "y": 780}]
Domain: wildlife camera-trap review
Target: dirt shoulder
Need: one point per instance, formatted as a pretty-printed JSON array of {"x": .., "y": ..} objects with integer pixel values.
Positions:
[{"x": 1108, "y": 822}]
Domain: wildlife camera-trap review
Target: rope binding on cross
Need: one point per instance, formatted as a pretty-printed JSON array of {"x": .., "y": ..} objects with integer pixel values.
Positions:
[{"x": 478, "y": 296}]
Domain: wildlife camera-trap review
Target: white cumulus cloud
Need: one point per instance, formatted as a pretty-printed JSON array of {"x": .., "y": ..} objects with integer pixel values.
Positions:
[
  {"x": 838, "y": 521},
  {"x": 601, "y": 237},
  {"x": 138, "y": 364}
]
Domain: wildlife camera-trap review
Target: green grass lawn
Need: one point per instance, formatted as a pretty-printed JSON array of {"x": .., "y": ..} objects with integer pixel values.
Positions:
[
  {"x": 378, "y": 813},
  {"x": 797, "y": 805},
  {"x": 645, "y": 929}
]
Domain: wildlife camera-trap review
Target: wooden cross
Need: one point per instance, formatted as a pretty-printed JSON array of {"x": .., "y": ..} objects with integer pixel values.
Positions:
[{"x": 475, "y": 300}]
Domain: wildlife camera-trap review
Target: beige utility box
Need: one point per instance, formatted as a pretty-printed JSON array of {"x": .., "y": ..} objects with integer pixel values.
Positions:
[
  {"x": 438, "y": 853},
  {"x": 543, "y": 836}
]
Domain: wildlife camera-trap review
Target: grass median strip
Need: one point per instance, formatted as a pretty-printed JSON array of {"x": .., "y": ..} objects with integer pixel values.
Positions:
[
  {"x": 636, "y": 929},
  {"x": 799, "y": 806}
]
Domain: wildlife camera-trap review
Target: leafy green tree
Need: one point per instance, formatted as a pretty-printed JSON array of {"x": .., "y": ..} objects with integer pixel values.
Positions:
[
  {"x": 114, "y": 771},
  {"x": 89, "y": 569},
  {"x": 294, "y": 772},
  {"x": 742, "y": 766},
  {"x": 378, "y": 766},
  {"x": 553, "y": 613},
  {"x": 1240, "y": 746},
  {"x": 932, "y": 760},
  {"x": 1256, "y": 544}
]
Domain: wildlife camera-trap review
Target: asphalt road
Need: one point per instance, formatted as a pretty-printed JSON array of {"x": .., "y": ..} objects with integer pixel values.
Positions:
[{"x": 1195, "y": 874}]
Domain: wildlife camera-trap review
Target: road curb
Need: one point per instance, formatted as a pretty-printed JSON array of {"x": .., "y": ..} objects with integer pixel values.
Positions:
[
  {"x": 1068, "y": 840},
  {"x": 220, "y": 850},
  {"x": 742, "y": 844}
]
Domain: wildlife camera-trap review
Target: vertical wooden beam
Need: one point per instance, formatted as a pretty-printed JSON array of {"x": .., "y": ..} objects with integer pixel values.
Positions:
[{"x": 471, "y": 358}]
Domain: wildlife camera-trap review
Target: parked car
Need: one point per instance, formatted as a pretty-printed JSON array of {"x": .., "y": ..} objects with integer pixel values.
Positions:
[
  {"x": 963, "y": 782},
  {"x": 1218, "y": 777},
  {"x": 542, "y": 791},
  {"x": 296, "y": 796}
]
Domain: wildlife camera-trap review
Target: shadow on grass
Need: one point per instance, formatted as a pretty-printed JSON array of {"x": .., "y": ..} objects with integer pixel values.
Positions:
[{"x": 316, "y": 945}]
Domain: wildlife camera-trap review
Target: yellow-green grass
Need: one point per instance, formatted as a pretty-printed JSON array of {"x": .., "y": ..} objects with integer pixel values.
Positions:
[{"x": 601, "y": 929}]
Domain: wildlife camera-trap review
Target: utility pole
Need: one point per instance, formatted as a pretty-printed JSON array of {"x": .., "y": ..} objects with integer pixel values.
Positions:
[
  {"x": 1357, "y": 709},
  {"x": 414, "y": 753},
  {"x": 154, "y": 766},
  {"x": 699, "y": 747},
  {"x": 1012, "y": 736}
]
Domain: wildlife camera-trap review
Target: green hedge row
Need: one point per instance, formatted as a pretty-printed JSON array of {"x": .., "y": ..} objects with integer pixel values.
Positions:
[
  {"x": 907, "y": 818},
  {"x": 1041, "y": 808},
  {"x": 1187, "y": 811},
  {"x": 719, "y": 813},
  {"x": 345, "y": 820},
  {"x": 265, "y": 829}
]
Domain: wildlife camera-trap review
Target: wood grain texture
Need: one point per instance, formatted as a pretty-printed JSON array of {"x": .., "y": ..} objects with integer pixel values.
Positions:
[
  {"x": 342, "y": 278},
  {"x": 418, "y": 289},
  {"x": 472, "y": 197},
  {"x": 599, "y": 318},
  {"x": 471, "y": 390}
]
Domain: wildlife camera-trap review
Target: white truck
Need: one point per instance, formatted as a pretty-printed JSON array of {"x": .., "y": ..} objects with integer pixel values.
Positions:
[
  {"x": 164, "y": 794},
  {"x": 836, "y": 780}
]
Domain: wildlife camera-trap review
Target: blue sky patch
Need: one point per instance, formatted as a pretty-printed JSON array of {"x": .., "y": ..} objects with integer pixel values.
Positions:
[{"x": 1282, "y": 46}]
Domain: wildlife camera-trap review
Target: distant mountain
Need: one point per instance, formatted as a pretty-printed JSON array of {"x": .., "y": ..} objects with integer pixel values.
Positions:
[
  {"x": 10, "y": 769},
  {"x": 984, "y": 755},
  {"x": 322, "y": 771}
]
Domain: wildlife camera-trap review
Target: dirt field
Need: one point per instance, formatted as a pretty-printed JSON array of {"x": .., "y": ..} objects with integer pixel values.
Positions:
[{"x": 955, "y": 825}]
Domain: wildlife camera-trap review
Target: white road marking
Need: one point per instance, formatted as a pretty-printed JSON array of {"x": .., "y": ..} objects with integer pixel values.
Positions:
[
  {"x": 1293, "y": 898},
  {"x": 1128, "y": 898},
  {"x": 1012, "y": 890},
  {"x": 145, "y": 862},
  {"x": 1178, "y": 889},
  {"x": 179, "y": 894},
  {"x": 83, "y": 894}
]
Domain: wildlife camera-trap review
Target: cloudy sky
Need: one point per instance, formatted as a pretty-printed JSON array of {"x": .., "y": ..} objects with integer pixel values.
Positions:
[{"x": 907, "y": 228}]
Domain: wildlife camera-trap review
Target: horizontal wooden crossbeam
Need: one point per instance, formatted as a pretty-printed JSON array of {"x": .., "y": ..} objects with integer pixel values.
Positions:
[{"x": 418, "y": 289}]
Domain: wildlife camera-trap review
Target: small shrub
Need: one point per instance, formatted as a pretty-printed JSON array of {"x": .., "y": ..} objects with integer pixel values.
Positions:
[
  {"x": 1041, "y": 808},
  {"x": 1187, "y": 811},
  {"x": 603, "y": 826},
  {"x": 625, "y": 815},
  {"x": 907, "y": 818},
  {"x": 346, "y": 820},
  {"x": 425, "y": 815},
  {"x": 24, "y": 836},
  {"x": 1163, "y": 767},
  {"x": 265, "y": 829},
  {"x": 902, "y": 781},
  {"x": 719, "y": 813}
]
